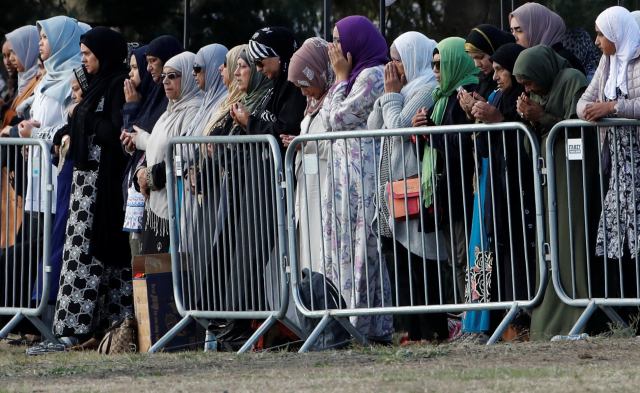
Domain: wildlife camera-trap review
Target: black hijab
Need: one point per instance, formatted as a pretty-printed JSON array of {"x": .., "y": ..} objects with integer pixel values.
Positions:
[
  {"x": 487, "y": 38},
  {"x": 274, "y": 42},
  {"x": 506, "y": 56},
  {"x": 146, "y": 81},
  {"x": 110, "y": 48}
]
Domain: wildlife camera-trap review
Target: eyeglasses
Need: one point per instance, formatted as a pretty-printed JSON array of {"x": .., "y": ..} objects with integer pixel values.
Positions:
[
  {"x": 435, "y": 64},
  {"x": 258, "y": 62},
  {"x": 197, "y": 68},
  {"x": 171, "y": 76}
]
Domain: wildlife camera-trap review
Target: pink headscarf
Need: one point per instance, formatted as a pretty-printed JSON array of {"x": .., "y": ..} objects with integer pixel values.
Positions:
[
  {"x": 539, "y": 24},
  {"x": 310, "y": 66}
]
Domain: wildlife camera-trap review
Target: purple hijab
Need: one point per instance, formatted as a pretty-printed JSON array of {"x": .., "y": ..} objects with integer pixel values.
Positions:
[{"x": 362, "y": 39}]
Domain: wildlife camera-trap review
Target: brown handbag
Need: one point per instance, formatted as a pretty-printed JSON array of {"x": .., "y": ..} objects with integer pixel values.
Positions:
[
  {"x": 121, "y": 337},
  {"x": 398, "y": 191}
]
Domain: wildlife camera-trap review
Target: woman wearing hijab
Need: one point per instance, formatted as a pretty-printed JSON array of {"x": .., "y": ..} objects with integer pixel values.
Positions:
[
  {"x": 614, "y": 93},
  {"x": 10, "y": 87},
  {"x": 311, "y": 71},
  {"x": 185, "y": 98},
  {"x": 579, "y": 42},
  {"x": 358, "y": 55},
  {"x": 409, "y": 84},
  {"x": 95, "y": 281},
  {"x": 555, "y": 89},
  {"x": 534, "y": 24},
  {"x": 481, "y": 43}
]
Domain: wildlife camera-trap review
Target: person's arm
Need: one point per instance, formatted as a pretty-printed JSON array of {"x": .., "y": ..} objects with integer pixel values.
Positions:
[
  {"x": 129, "y": 114},
  {"x": 107, "y": 124},
  {"x": 398, "y": 112},
  {"x": 375, "y": 120},
  {"x": 287, "y": 120}
]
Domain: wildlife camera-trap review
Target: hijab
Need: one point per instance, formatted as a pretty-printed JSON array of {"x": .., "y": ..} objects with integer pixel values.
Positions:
[
  {"x": 25, "y": 45},
  {"x": 146, "y": 85},
  {"x": 273, "y": 42},
  {"x": 618, "y": 26},
  {"x": 235, "y": 95},
  {"x": 258, "y": 86},
  {"x": 416, "y": 53},
  {"x": 171, "y": 124},
  {"x": 636, "y": 16},
  {"x": 83, "y": 77},
  {"x": 110, "y": 48},
  {"x": 554, "y": 74},
  {"x": 209, "y": 58},
  {"x": 539, "y": 24},
  {"x": 64, "y": 39},
  {"x": 368, "y": 48},
  {"x": 311, "y": 66},
  {"x": 506, "y": 56},
  {"x": 578, "y": 42}
]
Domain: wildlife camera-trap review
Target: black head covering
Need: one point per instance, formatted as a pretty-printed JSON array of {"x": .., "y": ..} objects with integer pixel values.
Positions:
[
  {"x": 110, "y": 48},
  {"x": 506, "y": 56},
  {"x": 273, "y": 42},
  {"x": 146, "y": 81},
  {"x": 83, "y": 77},
  {"x": 164, "y": 48},
  {"x": 131, "y": 46}
]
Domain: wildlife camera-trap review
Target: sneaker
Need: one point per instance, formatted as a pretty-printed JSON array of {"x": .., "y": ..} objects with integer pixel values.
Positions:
[{"x": 44, "y": 348}]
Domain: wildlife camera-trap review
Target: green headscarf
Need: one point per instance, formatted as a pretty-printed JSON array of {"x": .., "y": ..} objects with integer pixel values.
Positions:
[
  {"x": 259, "y": 84},
  {"x": 456, "y": 69},
  {"x": 553, "y": 73}
]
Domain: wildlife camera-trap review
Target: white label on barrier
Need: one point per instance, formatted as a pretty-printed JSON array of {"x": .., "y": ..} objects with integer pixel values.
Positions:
[
  {"x": 178, "y": 165},
  {"x": 574, "y": 149},
  {"x": 35, "y": 164},
  {"x": 310, "y": 164}
]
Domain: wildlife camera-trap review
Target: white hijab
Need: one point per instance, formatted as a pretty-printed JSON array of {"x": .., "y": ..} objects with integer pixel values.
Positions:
[
  {"x": 636, "y": 16},
  {"x": 618, "y": 26},
  {"x": 416, "y": 54},
  {"x": 177, "y": 117},
  {"x": 25, "y": 45}
]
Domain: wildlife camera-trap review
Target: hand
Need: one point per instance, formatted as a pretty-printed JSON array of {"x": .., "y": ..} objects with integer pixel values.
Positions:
[
  {"x": 421, "y": 119},
  {"x": 129, "y": 140},
  {"x": 130, "y": 92},
  {"x": 142, "y": 182},
  {"x": 34, "y": 123},
  {"x": 598, "y": 110},
  {"x": 486, "y": 112},
  {"x": 71, "y": 108},
  {"x": 529, "y": 109},
  {"x": 24, "y": 128},
  {"x": 393, "y": 81},
  {"x": 341, "y": 66},
  {"x": 5, "y": 132},
  {"x": 287, "y": 139},
  {"x": 467, "y": 101},
  {"x": 240, "y": 115}
]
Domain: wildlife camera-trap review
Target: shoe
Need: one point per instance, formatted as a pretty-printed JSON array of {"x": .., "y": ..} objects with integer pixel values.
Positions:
[
  {"x": 462, "y": 337},
  {"x": 482, "y": 338},
  {"x": 44, "y": 348}
]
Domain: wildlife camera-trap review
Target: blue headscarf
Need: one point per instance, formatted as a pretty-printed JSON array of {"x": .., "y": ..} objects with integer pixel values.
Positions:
[
  {"x": 64, "y": 39},
  {"x": 25, "y": 45}
]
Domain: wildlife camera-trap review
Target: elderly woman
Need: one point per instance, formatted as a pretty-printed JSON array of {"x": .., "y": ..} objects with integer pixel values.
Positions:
[
  {"x": 534, "y": 24},
  {"x": 612, "y": 93}
]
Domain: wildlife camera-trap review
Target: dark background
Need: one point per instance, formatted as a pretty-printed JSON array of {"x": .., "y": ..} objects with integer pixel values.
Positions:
[{"x": 232, "y": 22}]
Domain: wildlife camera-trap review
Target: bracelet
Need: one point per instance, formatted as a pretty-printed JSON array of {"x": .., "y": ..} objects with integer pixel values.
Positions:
[
  {"x": 149, "y": 176},
  {"x": 64, "y": 139}
]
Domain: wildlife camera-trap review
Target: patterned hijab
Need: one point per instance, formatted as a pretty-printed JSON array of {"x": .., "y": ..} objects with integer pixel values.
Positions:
[
  {"x": 25, "y": 45},
  {"x": 539, "y": 24},
  {"x": 581, "y": 45},
  {"x": 311, "y": 66}
]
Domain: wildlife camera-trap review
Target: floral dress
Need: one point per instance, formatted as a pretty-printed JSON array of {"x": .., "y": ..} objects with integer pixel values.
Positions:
[{"x": 351, "y": 258}]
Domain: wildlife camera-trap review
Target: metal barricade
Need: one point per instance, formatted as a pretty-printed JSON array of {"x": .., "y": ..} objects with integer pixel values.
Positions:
[
  {"x": 337, "y": 226},
  {"x": 25, "y": 234},
  {"x": 592, "y": 213},
  {"x": 228, "y": 234}
]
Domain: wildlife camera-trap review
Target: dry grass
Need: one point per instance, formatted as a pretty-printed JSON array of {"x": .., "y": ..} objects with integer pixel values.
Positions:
[{"x": 606, "y": 364}]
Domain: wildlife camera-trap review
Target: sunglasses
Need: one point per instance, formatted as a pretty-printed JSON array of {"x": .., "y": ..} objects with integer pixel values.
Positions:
[
  {"x": 258, "y": 62},
  {"x": 197, "y": 68},
  {"x": 171, "y": 76},
  {"x": 435, "y": 64}
]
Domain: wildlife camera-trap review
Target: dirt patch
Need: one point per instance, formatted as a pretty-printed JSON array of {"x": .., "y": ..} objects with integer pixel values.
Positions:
[{"x": 595, "y": 365}]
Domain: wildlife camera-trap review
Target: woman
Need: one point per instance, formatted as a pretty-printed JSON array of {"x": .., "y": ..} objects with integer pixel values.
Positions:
[
  {"x": 358, "y": 55},
  {"x": 10, "y": 88},
  {"x": 480, "y": 44},
  {"x": 409, "y": 84},
  {"x": 613, "y": 93},
  {"x": 555, "y": 89},
  {"x": 533, "y": 24},
  {"x": 311, "y": 71},
  {"x": 185, "y": 99},
  {"x": 95, "y": 281},
  {"x": 579, "y": 42}
]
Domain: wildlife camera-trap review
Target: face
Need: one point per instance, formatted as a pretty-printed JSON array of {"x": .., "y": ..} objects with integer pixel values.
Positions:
[
  {"x": 336, "y": 37},
  {"x": 41, "y": 70},
  {"x": 311, "y": 91},
  {"x": 15, "y": 61},
  {"x": 270, "y": 67},
  {"x": 199, "y": 76},
  {"x": 134, "y": 74},
  {"x": 517, "y": 32},
  {"x": 89, "y": 60},
  {"x": 224, "y": 72},
  {"x": 154, "y": 66},
  {"x": 399, "y": 65},
  {"x": 6, "y": 55},
  {"x": 171, "y": 82},
  {"x": 76, "y": 91},
  {"x": 243, "y": 74},
  {"x": 531, "y": 87},
  {"x": 43, "y": 46},
  {"x": 607, "y": 47},
  {"x": 503, "y": 77},
  {"x": 481, "y": 60},
  {"x": 436, "y": 67}
]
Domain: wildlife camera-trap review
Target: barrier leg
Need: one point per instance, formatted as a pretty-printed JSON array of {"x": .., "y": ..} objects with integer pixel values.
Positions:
[
  {"x": 293, "y": 327},
  {"x": 12, "y": 324},
  {"x": 170, "y": 334},
  {"x": 354, "y": 332},
  {"x": 504, "y": 324},
  {"x": 46, "y": 332},
  {"x": 614, "y": 317},
  {"x": 259, "y": 333},
  {"x": 316, "y": 332},
  {"x": 577, "y": 328}
]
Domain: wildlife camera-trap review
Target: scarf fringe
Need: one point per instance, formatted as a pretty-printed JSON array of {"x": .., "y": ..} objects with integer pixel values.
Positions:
[{"x": 159, "y": 225}]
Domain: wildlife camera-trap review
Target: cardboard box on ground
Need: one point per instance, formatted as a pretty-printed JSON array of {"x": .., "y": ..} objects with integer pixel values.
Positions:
[{"x": 155, "y": 306}]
